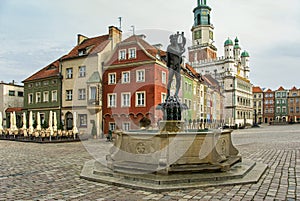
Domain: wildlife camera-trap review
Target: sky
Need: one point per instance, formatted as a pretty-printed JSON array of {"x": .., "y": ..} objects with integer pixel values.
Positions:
[{"x": 33, "y": 33}]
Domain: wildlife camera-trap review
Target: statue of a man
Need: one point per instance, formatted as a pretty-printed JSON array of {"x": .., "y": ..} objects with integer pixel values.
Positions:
[{"x": 174, "y": 60}]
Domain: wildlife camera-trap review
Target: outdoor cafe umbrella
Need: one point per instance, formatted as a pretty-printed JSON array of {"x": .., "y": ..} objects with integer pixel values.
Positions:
[
  {"x": 51, "y": 123},
  {"x": 75, "y": 129},
  {"x": 24, "y": 121},
  {"x": 1, "y": 122},
  {"x": 38, "y": 122},
  {"x": 54, "y": 122},
  {"x": 30, "y": 123}
]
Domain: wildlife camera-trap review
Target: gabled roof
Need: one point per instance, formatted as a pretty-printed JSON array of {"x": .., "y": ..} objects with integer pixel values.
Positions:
[
  {"x": 51, "y": 70},
  {"x": 91, "y": 45},
  {"x": 269, "y": 90},
  {"x": 280, "y": 89},
  {"x": 257, "y": 90},
  {"x": 294, "y": 89}
]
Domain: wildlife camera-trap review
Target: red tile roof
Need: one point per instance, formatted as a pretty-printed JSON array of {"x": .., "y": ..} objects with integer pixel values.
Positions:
[
  {"x": 51, "y": 70},
  {"x": 257, "y": 90},
  {"x": 280, "y": 89},
  {"x": 144, "y": 51},
  {"x": 92, "y": 45},
  {"x": 269, "y": 90},
  {"x": 294, "y": 89},
  {"x": 14, "y": 109}
]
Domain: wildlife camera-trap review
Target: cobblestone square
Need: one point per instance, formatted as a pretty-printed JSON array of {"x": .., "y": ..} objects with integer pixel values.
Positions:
[{"x": 31, "y": 171}]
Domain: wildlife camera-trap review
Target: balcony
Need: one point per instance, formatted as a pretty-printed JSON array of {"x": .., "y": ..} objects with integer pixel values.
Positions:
[{"x": 94, "y": 104}]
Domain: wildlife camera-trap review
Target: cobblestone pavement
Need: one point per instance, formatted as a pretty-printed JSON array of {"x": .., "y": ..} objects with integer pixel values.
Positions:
[{"x": 51, "y": 171}]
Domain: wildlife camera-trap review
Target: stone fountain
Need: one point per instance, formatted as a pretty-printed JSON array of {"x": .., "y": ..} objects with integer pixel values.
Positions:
[{"x": 173, "y": 158}]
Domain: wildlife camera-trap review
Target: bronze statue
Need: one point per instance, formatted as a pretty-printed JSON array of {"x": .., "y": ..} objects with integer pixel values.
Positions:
[{"x": 174, "y": 60}]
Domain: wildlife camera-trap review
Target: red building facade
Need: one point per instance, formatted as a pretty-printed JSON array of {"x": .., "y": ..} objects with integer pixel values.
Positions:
[
  {"x": 134, "y": 83},
  {"x": 269, "y": 106}
]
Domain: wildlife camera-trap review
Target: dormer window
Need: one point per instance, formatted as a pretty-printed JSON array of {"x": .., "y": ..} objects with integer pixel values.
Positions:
[
  {"x": 132, "y": 53},
  {"x": 82, "y": 52},
  {"x": 122, "y": 54}
]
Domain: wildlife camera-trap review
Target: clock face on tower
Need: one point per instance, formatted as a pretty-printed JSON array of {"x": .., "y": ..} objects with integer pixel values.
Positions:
[
  {"x": 197, "y": 34},
  {"x": 211, "y": 35}
]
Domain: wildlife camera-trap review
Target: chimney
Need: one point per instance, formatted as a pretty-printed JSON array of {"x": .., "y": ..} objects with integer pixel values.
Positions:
[
  {"x": 158, "y": 46},
  {"x": 80, "y": 38},
  {"x": 115, "y": 35},
  {"x": 142, "y": 36}
]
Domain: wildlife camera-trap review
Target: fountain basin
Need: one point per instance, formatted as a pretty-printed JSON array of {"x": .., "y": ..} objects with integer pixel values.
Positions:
[{"x": 165, "y": 152}]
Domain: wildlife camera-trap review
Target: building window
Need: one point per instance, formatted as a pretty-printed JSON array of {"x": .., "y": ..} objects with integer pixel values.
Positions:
[
  {"x": 291, "y": 110},
  {"x": 82, "y": 120},
  {"x": 278, "y": 110},
  {"x": 38, "y": 97},
  {"x": 38, "y": 84},
  {"x": 82, "y": 71},
  {"x": 254, "y": 103},
  {"x": 54, "y": 82},
  {"x": 122, "y": 54},
  {"x": 112, "y": 78},
  {"x": 112, "y": 126},
  {"x": 82, "y": 52},
  {"x": 283, "y": 94},
  {"x": 125, "y": 77},
  {"x": 54, "y": 96},
  {"x": 292, "y": 100},
  {"x": 81, "y": 94},
  {"x": 297, "y": 109},
  {"x": 93, "y": 93},
  {"x": 20, "y": 93},
  {"x": 126, "y": 126},
  {"x": 46, "y": 96},
  {"x": 30, "y": 98},
  {"x": 46, "y": 83},
  {"x": 163, "y": 97},
  {"x": 69, "y": 95},
  {"x": 164, "y": 77},
  {"x": 132, "y": 53},
  {"x": 140, "y": 75},
  {"x": 186, "y": 86},
  {"x": 140, "y": 100},
  {"x": 112, "y": 99},
  {"x": 283, "y": 110},
  {"x": 69, "y": 73},
  {"x": 125, "y": 99},
  {"x": 11, "y": 93}
]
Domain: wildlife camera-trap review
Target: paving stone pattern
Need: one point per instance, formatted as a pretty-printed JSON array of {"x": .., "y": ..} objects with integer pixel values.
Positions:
[{"x": 51, "y": 171}]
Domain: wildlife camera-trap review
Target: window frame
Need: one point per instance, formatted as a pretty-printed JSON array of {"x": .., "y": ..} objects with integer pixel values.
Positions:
[
  {"x": 130, "y": 53},
  {"x": 122, "y": 99},
  {"x": 122, "y": 54},
  {"x": 44, "y": 96},
  {"x": 137, "y": 75},
  {"x": 137, "y": 99},
  {"x": 69, "y": 96},
  {"x": 69, "y": 73},
  {"x": 52, "y": 96},
  {"x": 82, "y": 96},
  {"x": 124, "y": 81},
  {"x": 110, "y": 80},
  {"x": 83, "y": 124},
  {"x": 80, "y": 72},
  {"x": 109, "y": 105}
]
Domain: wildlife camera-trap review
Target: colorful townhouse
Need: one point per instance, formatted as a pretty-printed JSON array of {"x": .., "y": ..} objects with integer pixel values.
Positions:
[
  {"x": 134, "y": 83},
  {"x": 281, "y": 105},
  {"x": 294, "y": 105},
  {"x": 82, "y": 70},
  {"x": 269, "y": 106},
  {"x": 42, "y": 93},
  {"x": 258, "y": 103}
]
